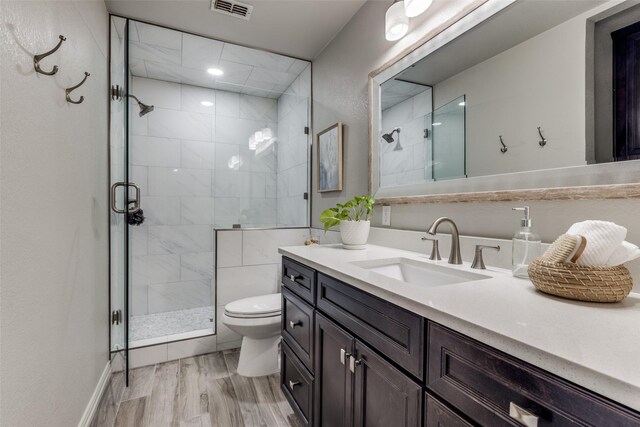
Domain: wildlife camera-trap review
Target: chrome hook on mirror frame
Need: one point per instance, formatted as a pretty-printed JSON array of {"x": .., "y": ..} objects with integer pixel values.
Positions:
[
  {"x": 504, "y": 148},
  {"x": 543, "y": 140},
  {"x": 38, "y": 58},
  {"x": 72, "y": 88}
]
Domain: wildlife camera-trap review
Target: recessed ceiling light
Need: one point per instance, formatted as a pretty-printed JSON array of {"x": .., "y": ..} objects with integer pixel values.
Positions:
[
  {"x": 215, "y": 71},
  {"x": 207, "y": 103},
  {"x": 436, "y": 124}
]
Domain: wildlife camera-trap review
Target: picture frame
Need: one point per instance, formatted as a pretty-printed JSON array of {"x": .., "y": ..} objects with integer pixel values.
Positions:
[{"x": 330, "y": 159}]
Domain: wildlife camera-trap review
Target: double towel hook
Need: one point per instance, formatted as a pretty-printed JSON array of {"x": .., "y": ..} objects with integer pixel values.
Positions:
[
  {"x": 72, "y": 88},
  {"x": 38, "y": 58}
]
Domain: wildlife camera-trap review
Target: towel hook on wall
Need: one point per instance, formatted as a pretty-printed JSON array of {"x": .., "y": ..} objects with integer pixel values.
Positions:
[
  {"x": 543, "y": 140},
  {"x": 504, "y": 148},
  {"x": 72, "y": 88},
  {"x": 38, "y": 58}
]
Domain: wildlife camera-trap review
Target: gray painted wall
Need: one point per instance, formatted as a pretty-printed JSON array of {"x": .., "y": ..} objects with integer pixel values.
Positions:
[
  {"x": 54, "y": 225},
  {"x": 340, "y": 94}
]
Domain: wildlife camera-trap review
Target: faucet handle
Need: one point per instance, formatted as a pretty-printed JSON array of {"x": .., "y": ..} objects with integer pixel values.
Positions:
[
  {"x": 435, "y": 252},
  {"x": 478, "y": 261}
]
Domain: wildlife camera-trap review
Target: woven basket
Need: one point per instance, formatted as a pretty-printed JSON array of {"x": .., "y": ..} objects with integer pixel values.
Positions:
[{"x": 594, "y": 284}]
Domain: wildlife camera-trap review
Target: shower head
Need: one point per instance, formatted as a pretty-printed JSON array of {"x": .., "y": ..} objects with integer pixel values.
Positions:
[
  {"x": 144, "y": 108},
  {"x": 389, "y": 138}
]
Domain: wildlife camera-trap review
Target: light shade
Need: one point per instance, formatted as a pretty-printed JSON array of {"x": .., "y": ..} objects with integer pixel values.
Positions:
[
  {"x": 396, "y": 23},
  {"x": 414, "y": 8},
  {"x": 266, "y": 133}
]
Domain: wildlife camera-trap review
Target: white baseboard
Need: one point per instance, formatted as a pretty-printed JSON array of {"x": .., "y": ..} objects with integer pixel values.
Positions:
[{"x": 92, "y": 406}]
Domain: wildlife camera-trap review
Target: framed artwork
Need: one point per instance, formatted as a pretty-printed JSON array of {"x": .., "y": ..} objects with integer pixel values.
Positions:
[{"x": 330, "y": 159}]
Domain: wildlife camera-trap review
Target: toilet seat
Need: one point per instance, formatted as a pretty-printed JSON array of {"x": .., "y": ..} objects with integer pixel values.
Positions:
[{"x": 255, "y": 307}]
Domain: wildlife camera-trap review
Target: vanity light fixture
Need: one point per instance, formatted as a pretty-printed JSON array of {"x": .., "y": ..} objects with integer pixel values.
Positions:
[
  {"x": 258, "y": 136},
  {"x": 413, "y": 8},
  {"x": 207, "y": 103},
  {"x": 436, "y": 124},
  {"x": 462, "y": 104},
  {"x": 215, "y": 71},
  {"x": 396, "y": 22}
]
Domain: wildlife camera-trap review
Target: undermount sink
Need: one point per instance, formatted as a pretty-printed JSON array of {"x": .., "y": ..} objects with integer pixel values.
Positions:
[{"x": 419, "y": 273}]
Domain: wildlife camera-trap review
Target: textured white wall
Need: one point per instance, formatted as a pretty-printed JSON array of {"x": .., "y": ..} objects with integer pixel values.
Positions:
[
  {"x": 53, "y": 225},
  {"x": 340, "y": 94}
]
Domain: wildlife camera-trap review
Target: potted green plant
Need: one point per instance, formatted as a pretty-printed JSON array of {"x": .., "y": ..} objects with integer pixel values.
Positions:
[{"x": 354, "y": 220}]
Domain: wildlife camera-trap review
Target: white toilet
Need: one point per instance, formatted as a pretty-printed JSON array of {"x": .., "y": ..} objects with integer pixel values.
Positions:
[{"x": 257, "y": 319}]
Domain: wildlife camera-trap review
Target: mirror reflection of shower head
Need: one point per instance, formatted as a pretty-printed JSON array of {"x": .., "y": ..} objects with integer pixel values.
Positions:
[{"x": 389, "y": 138}]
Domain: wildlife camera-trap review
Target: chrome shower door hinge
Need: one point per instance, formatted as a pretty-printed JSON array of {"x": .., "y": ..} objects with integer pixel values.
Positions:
[{"x": 116, "y": 317}]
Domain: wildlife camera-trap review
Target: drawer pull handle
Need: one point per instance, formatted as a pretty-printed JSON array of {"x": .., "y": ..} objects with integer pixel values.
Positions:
[
  {"x": 292, "y": 384},
  {"x": 523, "y": 416},
  {"x": 344, "y": 355},
  {"x": 293, "y": 277},
  {"x": 293, "y": 324}
]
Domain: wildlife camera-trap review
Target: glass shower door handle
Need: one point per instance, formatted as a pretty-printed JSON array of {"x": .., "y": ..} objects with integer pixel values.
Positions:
[
  {"x": 114, "y": 187},
  {"x": 136, "y": 200}
]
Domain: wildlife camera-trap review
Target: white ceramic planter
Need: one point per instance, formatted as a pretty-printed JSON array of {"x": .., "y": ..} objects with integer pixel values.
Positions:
[{"x": 354, "y": 234}]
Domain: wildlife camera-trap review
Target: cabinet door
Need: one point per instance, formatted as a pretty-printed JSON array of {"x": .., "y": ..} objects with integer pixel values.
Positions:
[
  {"x": 334, "y": 383},
  {"x": 439, "y": 415},
  {"x": 383, "y": 395}
]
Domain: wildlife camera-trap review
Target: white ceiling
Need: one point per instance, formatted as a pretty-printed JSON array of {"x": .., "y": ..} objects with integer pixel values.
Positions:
[
  {"x": 299, "y": 28},
  {"x": 169, "y": 55},
  {"x": 396, "y": 91}
]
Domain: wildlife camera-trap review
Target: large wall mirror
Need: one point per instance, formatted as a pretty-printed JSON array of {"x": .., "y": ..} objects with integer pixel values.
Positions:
[{"x": 516, "y": 95}]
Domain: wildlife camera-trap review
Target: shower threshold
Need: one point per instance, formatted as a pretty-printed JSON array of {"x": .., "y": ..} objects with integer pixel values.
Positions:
[{"x": 157, "y": 328}]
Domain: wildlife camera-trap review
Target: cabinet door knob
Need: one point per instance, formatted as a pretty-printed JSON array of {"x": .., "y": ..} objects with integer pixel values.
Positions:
[
  {"x": 293, "y": 324},
  {"x": 523, "y": 416},
  {"x": 292, "y": 384}
]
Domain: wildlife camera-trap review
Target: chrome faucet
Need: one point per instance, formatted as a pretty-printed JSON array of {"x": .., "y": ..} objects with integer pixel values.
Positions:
[{"x": 454, "y": 255}]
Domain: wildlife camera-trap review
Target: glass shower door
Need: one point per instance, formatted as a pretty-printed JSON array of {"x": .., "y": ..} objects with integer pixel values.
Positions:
[{"x": 118, "y": 155}]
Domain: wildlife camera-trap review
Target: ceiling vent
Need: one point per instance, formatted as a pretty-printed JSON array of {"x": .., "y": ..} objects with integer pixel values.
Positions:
[{"x": 232, "y": 8}]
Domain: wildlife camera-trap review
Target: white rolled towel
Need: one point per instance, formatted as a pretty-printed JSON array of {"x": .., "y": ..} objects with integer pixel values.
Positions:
[
  {"x": 603, "y": 238},
  {"x": 624, "y": 253}
]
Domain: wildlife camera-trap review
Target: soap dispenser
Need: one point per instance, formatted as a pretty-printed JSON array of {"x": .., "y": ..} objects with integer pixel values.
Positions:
[{"x": 526, "y": 246}]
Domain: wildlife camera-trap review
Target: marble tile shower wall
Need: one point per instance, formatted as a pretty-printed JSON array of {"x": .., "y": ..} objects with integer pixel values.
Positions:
[
  {"x": 293, "y": 149},
  {"x": 410, "y": 116},
  {"x": 196, "y": 172}
]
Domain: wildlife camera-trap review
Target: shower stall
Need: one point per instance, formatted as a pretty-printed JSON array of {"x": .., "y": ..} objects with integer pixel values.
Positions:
[{"x": 204, "y": 135}]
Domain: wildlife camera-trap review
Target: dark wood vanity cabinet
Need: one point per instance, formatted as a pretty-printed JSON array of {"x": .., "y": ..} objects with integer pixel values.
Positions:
[
  {"x": 356, "y": 387},
  {"x": 352, "y": 359}
]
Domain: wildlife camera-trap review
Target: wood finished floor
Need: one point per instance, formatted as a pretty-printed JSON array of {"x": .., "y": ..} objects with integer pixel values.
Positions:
[{"x": 201, "y": 391}]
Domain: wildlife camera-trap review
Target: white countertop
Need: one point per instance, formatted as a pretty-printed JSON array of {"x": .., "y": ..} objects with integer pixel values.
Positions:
[{"x": 594, "y": 345}]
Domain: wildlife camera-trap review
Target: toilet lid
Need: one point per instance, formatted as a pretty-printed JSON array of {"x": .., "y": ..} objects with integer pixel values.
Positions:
[{"x": 261, "y": 306}]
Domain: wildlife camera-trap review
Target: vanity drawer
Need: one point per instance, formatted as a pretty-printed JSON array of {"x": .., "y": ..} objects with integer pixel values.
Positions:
[
  {"x": 393, "y": 331},
  {"x": 297, "y": 326},
  {"x": 484, "y": 384},
  {"x": 299, "y": 279},
  {"x": 297, "y": 384},
  {"x": 440, "y": 415}
]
